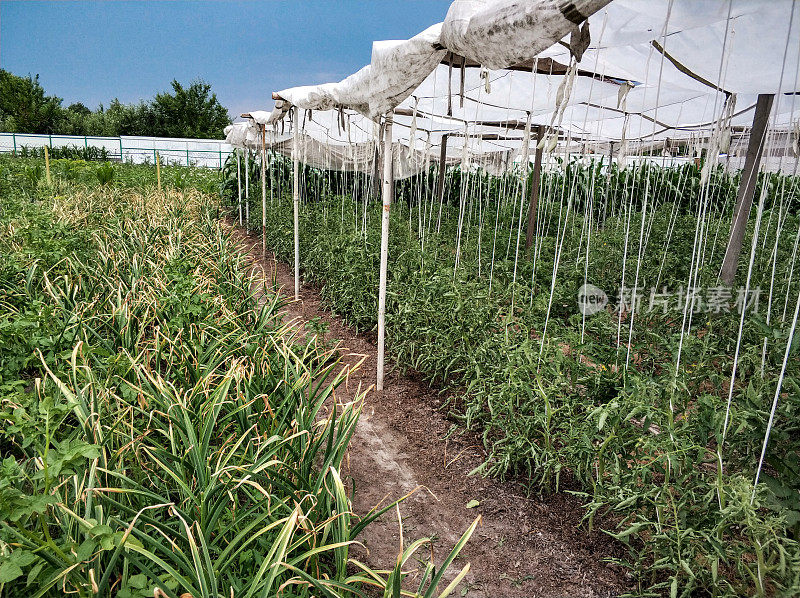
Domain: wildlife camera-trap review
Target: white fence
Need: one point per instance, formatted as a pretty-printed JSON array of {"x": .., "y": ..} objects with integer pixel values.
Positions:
[
  {"x": 209, "y": 153},
  {"x": 212, "y": 153}
]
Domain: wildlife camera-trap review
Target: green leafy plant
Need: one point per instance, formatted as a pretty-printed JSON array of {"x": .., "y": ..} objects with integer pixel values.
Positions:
[
  {"x": 163, "y": 431},
  {"x": 105, "y": 173},
  {"x": 638, "y": 443}
]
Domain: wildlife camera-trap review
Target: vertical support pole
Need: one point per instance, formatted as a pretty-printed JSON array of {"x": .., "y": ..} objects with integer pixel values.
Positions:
[
  {"x": 263, "y": 190},
  {"x": 296, "y": 202},
  {"x": 239, "y": 181},
  {"x": 220, "y": 157},
  {"x": 187, "y": 153},
  {"x": 442, "y": 159},
  {"x": 47, "y": 166},
  {"x": 462, "y": 78},
  {"x": 534, "y": 193},
  {"x": 388, "y": 177},
  {"x": 14, "y": 139},
  {"x": 450, "y": 86},
  {"x": 747, "y": 185},
  {"x": 158, "y": 171},
  {"x": 376, "y": 168},
  {"x": 247, "y": 189},
  {"x": 120, "y": 150}
]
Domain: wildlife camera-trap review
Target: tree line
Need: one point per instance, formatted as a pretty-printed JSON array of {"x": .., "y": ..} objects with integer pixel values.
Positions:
[{"x": 191, "y": 111}]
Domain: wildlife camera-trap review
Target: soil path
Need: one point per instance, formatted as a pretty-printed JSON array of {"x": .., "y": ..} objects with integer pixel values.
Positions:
[{"x": 525, "y": 547}]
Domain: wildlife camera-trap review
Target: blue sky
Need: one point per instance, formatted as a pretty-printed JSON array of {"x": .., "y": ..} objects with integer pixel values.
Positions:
[{"x": 93, "y": 52}]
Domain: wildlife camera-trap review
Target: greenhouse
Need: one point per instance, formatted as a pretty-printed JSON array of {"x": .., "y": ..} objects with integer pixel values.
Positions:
[
  {"x": 532, "y": 158},
  {"x": 510, "y": 311}
]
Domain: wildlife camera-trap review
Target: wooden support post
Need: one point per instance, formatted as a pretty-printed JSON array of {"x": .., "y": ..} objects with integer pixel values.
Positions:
[
  {"x": 47, "y": 165},
  {"x": 461, "y": 82},
  {"x": 747, "y": 185},
  {"x": 450, "y": 86},
  {"x": 263, "y": 190},
  {"x": 442, "y": 161},
  {"x": 296, "y": 202},
  {"x": 239, "y": 181},
  {"x": 388, "y": 176},
  {"x": 158, "y": 171},
  {"x": 533, "y": 204}
]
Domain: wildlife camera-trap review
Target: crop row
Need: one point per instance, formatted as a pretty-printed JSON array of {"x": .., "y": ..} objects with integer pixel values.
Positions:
[
  {"x": 626, "y": 409},
  {"x": 163, "y": 432}
]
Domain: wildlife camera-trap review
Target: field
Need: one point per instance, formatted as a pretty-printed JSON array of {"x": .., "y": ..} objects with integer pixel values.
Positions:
[
  {"x": 164, "y": 433},
  {"x": 631, "y": 409}
]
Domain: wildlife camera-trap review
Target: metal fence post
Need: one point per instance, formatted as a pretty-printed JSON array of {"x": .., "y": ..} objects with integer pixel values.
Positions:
[
  {"x": 220, "y": 157},
  {"x": 51, "y": 140},
  {"x": 120, "y": 149},
  {"x": 187, "y": 154},
  {"x": 14, "y": 138}
]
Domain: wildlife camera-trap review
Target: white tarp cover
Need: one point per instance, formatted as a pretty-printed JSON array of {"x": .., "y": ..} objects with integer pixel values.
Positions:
[
  {"x": 504, "y": 32},
  {"x": 397, "y": 67},
  {"x": 653, "y": 69},
  {"x": 501, "y": 33},
  {"x": 244, "y": 135}
]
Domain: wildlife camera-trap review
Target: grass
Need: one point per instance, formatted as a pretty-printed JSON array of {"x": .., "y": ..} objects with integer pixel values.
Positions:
[{"x": 163, "y": 432}]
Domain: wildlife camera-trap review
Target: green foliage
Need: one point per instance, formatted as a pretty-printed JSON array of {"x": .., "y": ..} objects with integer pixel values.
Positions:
[
  {"x": 67, "y": 152},
  {"x": 162, "y": 431},
  {"x": 105, "y": 173},
  {"x": 191, "y": 111},
  {"x": 73, "y": 175},
  {"x": 24, "y": 107},
  {"x": 639, "y": 445}
]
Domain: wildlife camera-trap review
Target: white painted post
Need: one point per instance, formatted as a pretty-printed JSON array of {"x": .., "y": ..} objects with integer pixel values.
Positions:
[
  {"x": 387, "y": 204},
  {"x": 158, "y": 170},
  {"x": 264, "y": 191},
  {"x": 239, "y": 182},
  {"x": 296, "y": 198},
  {"x": 247, "y": 188}
]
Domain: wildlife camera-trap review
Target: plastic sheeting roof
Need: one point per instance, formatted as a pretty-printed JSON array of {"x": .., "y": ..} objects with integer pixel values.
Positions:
[{"x": 652, "y": 69}]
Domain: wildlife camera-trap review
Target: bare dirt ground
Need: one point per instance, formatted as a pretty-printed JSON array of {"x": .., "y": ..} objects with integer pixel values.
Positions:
[{"x": 525, "y": 547}]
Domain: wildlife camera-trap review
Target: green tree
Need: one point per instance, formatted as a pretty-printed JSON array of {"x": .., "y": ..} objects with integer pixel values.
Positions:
[
  {"x": 192, "y": 111},
  {"x": 24, "y": 107},
  {"x": 79, "y": 108}
]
